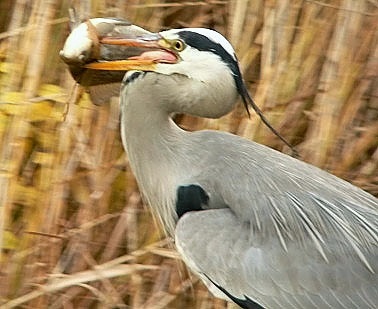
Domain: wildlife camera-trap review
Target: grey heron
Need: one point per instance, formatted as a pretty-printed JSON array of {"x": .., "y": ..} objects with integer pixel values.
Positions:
[{"x": 259, "y": 227}]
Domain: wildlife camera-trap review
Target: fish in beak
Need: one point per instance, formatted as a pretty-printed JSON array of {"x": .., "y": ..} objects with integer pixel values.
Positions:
[
  {"x": 99, "y": 51},
  {"x": 84, "y": 46},
  {"x": 153, "y": 50}
]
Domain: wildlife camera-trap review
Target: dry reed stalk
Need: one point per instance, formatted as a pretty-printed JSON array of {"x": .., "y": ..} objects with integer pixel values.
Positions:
[
  {"x": 328, "y": 104},
  {"x": 40, "y": 37},
  {"x": 77, "y": 279},
  {"x": 268, "y": 55},
  {"x": 237, "y": 19},
  {"x": 120, "y": 229},
  {"x": 12, "y": 51},
  {"x": 6, "y": 175}
]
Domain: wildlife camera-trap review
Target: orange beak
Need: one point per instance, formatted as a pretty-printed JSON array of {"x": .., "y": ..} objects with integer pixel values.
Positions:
[{"x": 154, "y": 50}]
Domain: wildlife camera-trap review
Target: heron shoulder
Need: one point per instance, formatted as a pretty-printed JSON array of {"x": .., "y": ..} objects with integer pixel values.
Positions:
[
  {"x": 190, "y": 198},
  {"x": 283, "y": 197}
]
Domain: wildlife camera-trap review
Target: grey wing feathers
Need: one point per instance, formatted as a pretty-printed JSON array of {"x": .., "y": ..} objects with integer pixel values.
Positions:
[
  {"x": 294, "y": 236},
  {"x": 218, "y": 247}
]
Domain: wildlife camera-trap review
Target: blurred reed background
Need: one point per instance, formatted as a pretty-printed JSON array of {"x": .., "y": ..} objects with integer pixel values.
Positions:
[{"x": 74, "y": 232}]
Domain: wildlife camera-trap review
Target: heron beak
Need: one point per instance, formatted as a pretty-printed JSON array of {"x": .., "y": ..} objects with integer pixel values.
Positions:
[{"x": 154, "y": 50}]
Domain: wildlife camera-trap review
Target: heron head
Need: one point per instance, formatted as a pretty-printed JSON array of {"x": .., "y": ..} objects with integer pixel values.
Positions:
[{"x": 202, "y": 55}]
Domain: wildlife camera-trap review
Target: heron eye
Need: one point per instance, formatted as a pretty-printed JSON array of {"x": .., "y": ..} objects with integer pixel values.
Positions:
[{"x": 178, "y": 45}]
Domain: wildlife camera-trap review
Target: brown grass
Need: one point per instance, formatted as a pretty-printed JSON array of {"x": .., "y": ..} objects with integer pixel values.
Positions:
[{"x": 73, "y": 230}]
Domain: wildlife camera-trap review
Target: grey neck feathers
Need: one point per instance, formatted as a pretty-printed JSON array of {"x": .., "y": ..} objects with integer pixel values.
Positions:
[
  {"x": 157, "y": 148},
  {"x": 150, "y": 138}
]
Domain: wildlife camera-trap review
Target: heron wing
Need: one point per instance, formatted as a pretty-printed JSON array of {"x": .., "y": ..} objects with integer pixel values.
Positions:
[
  {"x": 293, "y": 235},
  {"x": 217, "y": 246}
]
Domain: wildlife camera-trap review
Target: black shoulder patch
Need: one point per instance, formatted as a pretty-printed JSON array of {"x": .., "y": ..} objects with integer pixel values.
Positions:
[
  {"x": 246, "y": 303},
  {"x": 190, "y": 198}
]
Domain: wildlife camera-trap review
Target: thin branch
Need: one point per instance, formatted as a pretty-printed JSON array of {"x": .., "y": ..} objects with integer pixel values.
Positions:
[{"x": 344, "y": 9}]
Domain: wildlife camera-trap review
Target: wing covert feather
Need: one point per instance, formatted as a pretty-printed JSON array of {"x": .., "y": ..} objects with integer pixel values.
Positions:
[
  {"x": 293, "y": 235},
  {"x": 215, "y": 243}
]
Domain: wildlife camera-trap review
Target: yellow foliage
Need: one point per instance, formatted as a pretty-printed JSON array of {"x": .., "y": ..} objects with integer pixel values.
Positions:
[
  {"x": 47, "y": 108},
  {"x": 50, "y": 89},
  {"x": 41, "y": 111},
  {"x": 11, "y": 103},
  {"x": 26, "y": 195},
  {"x": 43, "y": 158},
  {"x": 12, "y": 97},
  {"x": 10, "y": 241},
  {"x": 6, "y": 67}
]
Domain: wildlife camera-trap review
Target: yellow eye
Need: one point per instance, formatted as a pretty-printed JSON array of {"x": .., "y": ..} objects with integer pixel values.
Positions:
[{"x": 178, "y": 45}]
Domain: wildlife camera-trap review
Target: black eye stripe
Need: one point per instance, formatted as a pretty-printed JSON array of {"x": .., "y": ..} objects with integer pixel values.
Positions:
[{"x": 203, "y": 43}]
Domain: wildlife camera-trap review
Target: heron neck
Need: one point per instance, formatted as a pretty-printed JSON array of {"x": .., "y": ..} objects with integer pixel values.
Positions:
[
  {"x": 152, "y": 141},
  {"x": 150, "y": 137}
]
